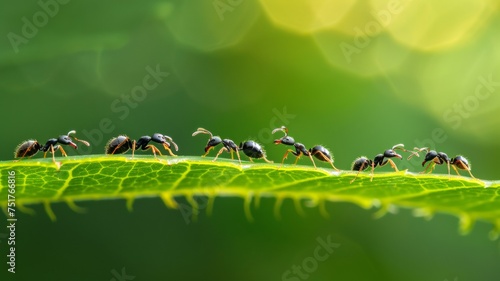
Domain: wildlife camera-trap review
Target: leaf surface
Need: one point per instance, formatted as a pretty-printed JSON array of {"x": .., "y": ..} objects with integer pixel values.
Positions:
[{"x": 112, "y": 177}]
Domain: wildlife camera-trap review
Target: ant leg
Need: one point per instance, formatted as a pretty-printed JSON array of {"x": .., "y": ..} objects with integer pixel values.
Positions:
[
  {"x": 238, "y": 154},
  {"x": 116, "y": 148},
  {"x": 427, "y": 168},
  {"x": 53, "y": 153},
  {"x": 250, "y": 158},
  {"x": 63, "y": 153},
  {"x": 133, "y": 148},
  {"x": 220, "y": 151},
  {"x": 285, "y": 156},
  {"x": 297, "y": 159},
  {"x": 155, "y": 150},
  {"x": 58, "y": 164},
  {"x": 208, "y": 151},
  {"x": 456, "y": 170},
  {"x": 232, "y": 155},
  {"x": 265, "y": 159},
  {"x": 468, "y": 170},
  {"x": 393, "y": 165},
  {"x": 330, "y": 161},
  {"x": 24, "y": 155},
  {"x": 449, "y": 174},
  {"x": 373, "y": 169},
  {"x": 333, "y": 166},
  {"x": 312, "y": 160},
  {"x": 360, "y": 169},
  {"x": 168, "y": 150},
  {"x": 432, "y": 168}
]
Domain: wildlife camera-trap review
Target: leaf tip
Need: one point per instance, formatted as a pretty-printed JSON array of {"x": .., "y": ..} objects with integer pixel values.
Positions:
[
  {"x": 246, "y": 205},
  {"x": 384, "y": 209},
  {"x": 277, "y": 207},
  {"x": 75, "y": 208},
  {"x": 130, "y": 203},
  {"x": 20, "y": 206},
  {"x": 426, "y": 213},
  {"x": 48, "y": 210},
  {"x": 466, "y": 223},
  {"x": 169, "y": 200},
  {"x": 495, "y": 232}
]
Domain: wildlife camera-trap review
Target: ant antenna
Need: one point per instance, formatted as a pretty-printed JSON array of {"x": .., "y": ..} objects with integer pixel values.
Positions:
[
  {"x": 202, "y": 131},
  {"x": 282, "y": 128},
  {"x": 75, "y": 138},
  {"x": 401, "y": 147},
  {"x": 170, "y": 140},
  {"x": 416, "y": 151}
]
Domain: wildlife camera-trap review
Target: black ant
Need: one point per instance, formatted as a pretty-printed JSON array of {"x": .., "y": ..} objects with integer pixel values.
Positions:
[
  {"x": 122, "y": 144},
  {"x": 213, "y": 141},
  {"x": 31, "y": 147},
  {"x": 253, "y": 150},
  {"x": 458, "y": 162},
  {"x": 318, "y": 151},
  {"x": 362, "y": 163}
]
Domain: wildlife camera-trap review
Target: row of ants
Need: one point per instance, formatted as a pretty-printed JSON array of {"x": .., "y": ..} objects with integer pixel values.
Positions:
[{"x": 252, "y": 149}]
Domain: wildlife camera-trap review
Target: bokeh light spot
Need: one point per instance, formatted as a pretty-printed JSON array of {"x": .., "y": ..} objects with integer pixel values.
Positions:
[
  {"x": 435, "y": 25},
  {"x": 306, "y": 16},
  {"x": 211, "y": 25},
  {"x": 363, "y": 54}
]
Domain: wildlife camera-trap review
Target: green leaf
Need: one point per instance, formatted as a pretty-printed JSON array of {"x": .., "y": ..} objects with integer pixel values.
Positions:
[{"x": 108, "y": 177}]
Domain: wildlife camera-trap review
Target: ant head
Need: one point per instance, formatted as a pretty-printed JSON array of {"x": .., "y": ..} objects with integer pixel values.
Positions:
[
  {"x": 286, "y": 140},
  {"x": 429, "y": 156},
  {"x": 164, "y": 140},
  {"x": 212, "y": 141},
  {"x": 159, "y": 138},
  {"x": 390, "y": 153},
  {"x": 65, "y": 139},
  {"x": 76, "y": 139}
]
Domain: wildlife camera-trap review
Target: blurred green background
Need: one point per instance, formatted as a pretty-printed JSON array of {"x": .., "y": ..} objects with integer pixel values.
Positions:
[{"x": 355, "y": 76}]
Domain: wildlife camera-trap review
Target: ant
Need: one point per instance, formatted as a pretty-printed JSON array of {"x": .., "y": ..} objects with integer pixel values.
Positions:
[
  {"x": 253, "y": 150},
  {"x": 318, "y": 151},
  {"x": 122, "y": 144},
  {"x": 458, "y": 162},
  {"x": 362, "y": 163},
  {"x": 228, "y": 145},
  {"x": 31, "y": 147}
]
